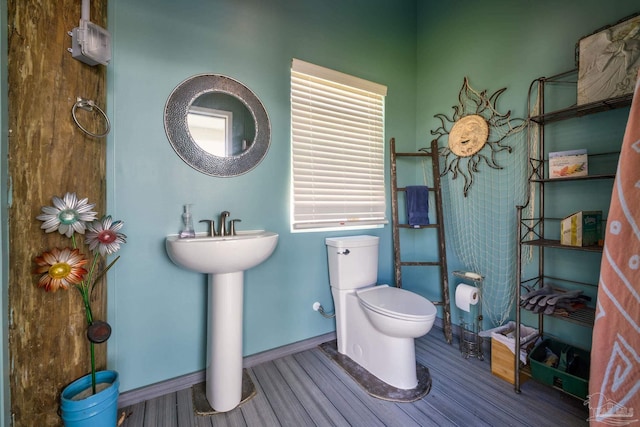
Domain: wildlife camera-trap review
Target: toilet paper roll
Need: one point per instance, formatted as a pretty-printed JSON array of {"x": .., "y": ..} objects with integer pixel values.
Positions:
[{"x": 466, "y": 296}]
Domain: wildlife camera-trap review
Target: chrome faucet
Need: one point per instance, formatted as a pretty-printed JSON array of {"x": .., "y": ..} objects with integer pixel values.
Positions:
[{"x": 223, "y": 223}]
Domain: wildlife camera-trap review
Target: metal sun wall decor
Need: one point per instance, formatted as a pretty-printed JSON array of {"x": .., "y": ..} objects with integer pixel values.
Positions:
[{"x": 475, "y": 124}]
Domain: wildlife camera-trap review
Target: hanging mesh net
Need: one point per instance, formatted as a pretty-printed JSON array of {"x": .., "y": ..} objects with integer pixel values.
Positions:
[{"x": 480, "y": 195}]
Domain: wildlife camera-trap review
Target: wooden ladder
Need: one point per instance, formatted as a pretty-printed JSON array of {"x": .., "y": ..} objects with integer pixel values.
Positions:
[{"x": 439, "y": 225}]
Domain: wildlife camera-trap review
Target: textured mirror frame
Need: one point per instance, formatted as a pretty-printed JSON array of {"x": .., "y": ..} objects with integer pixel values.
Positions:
[{"x": 176, "y": 128}]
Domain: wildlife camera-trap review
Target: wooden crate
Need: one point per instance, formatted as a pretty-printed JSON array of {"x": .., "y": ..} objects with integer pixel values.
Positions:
[{"x": 502, "y": 363}]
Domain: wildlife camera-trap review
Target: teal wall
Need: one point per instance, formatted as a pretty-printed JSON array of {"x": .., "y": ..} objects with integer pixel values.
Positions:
[
  {"x": 158, "y": 310},
  {"x": 500, "y": 43},
  {"x": 507, "y": 44}
]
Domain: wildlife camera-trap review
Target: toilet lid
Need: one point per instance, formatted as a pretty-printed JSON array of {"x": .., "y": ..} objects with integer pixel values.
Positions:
[{"x": 398, "y": 303}]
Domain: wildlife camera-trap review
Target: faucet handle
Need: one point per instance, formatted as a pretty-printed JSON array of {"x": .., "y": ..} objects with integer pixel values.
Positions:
[
  {"x": 232, "y": 230},
  {"x": 212, "y": 227}
]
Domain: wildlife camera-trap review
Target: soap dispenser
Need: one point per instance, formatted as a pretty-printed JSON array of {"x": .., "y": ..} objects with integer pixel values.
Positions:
[{"x": 187, "y": 223}]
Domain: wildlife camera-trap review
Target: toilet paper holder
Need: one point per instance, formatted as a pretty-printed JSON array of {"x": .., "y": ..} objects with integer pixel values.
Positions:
[{"x": 470, "y": 328}]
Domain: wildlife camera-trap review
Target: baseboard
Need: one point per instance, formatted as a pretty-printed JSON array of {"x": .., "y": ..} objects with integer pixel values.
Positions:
[{"x": 152, "y": 391}]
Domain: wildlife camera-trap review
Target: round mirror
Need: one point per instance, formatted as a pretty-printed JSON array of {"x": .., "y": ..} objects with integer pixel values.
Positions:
[{"x": 217, "y": 125}]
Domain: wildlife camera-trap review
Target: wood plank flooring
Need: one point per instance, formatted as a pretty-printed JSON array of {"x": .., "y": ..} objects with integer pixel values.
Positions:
[{"x": 307, "y": 389}]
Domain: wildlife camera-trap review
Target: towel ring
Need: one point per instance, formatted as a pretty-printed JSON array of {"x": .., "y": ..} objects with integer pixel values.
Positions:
[{"x": 90, "y": 105}]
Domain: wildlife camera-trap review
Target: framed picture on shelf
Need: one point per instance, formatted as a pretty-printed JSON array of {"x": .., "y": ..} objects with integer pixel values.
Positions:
[{"x": 608, "y": 61}]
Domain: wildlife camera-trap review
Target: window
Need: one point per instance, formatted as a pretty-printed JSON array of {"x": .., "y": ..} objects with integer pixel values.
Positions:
[{"x": 337, "y": 148}]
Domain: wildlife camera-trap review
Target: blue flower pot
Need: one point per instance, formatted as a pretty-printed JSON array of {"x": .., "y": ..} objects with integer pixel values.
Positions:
[{"x": 97, "y": 410}]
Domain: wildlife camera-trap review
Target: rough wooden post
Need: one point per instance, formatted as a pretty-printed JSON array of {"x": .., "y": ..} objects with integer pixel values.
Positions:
[{"x": 48, "y": 155}]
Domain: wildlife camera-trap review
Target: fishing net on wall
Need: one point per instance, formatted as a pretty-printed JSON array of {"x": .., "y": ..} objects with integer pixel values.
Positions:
[{"x": 484, "y": 162}]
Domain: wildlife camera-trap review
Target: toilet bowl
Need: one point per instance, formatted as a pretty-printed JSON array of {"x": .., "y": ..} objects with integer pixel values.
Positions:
[
  {"x": 397, "y": 312},
  {"x": 375, "y": 325}
]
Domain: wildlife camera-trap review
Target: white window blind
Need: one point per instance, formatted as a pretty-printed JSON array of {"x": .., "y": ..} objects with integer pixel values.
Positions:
[{"x": 337, "y": 145}]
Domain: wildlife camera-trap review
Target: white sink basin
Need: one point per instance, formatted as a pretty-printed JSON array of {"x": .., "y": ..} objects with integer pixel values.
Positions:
[{"x": 222, "y": 254}]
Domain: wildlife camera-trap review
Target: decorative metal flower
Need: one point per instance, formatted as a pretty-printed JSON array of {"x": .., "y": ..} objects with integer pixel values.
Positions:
[
  {"x": 67, "y": 215},
  {"x": 60, "y": 268},
  {"x": 103, "y": 235}
]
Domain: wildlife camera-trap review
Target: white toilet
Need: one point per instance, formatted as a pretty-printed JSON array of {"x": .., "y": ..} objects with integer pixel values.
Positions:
[{"x": 376, "y": 325}]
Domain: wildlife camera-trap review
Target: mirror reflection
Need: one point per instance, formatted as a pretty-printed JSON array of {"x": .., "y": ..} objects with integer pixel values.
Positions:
[
  {"x": 221, "y": 124},
  {"x": 211, "y": 130}
]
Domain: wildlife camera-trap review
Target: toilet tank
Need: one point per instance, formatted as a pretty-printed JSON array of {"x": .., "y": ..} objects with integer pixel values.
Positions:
[{"x": 353, "y": 261}]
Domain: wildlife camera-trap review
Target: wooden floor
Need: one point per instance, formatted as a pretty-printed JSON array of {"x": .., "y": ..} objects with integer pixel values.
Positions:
[{"x": 307, "y": 389}]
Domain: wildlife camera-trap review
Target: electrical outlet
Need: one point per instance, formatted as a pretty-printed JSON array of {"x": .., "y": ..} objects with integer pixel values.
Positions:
[{"x": 90, "y": 44}]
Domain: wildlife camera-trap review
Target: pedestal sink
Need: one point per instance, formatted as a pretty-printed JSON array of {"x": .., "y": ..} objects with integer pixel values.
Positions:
[{"x": 224, "y": 260}]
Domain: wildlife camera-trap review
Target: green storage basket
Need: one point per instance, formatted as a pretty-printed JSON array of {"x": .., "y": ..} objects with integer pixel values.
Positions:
[{"x": 572, "y": 373}]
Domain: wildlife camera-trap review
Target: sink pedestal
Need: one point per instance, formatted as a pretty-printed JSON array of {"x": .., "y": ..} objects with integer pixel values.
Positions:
[{"x": 224, "y": 341}]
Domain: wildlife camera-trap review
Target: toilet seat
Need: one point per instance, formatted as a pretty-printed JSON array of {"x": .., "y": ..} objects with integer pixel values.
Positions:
[{"x": 397, "y": 303}]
